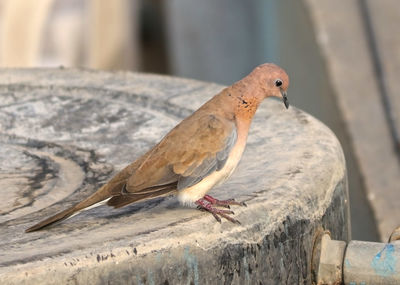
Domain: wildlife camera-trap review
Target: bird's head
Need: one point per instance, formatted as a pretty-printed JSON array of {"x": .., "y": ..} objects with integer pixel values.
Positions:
[{"x": 273, "y": 81}]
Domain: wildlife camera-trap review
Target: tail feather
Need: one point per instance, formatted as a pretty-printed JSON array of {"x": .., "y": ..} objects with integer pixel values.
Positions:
[
  {"x": 95, "y": 198},
  {"x": 126, "y": 199},
  {"x": 58, "y": 217},
  {"x": 104, "y": 196}
]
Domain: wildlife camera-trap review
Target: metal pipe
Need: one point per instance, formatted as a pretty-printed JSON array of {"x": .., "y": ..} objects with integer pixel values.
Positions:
[
  {"x": 357, "y": 263},
  {"x": 371, "y": 263},
  {"x": 328, "y": 260}
]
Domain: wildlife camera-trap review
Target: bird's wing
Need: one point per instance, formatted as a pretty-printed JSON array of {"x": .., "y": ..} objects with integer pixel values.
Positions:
[
  {"x": 191, "y": 151},
  {"x": 212, "y": 162}
]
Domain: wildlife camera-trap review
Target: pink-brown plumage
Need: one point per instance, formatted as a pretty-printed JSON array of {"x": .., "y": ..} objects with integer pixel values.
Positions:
[{"x": 199, "y": 153}]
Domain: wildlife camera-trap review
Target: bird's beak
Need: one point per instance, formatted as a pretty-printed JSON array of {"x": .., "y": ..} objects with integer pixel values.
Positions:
[{"x": 285, "y": 99}]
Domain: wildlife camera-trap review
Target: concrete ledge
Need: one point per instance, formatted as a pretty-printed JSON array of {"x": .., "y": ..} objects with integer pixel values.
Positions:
[{"x": 64, "y": 132}]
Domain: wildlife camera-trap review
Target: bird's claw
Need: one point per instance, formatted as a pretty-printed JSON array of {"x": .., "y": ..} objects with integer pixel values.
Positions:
[
  {"x": 216, "y": 217},
  {"x": 232, "y": 220},
  {"x": 223, "y": 203},
  {"x": 207, "y": 203}
]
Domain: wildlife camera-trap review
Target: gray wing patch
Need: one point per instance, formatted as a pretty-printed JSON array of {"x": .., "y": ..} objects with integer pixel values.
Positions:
[
  {"x": 223, "y": 155},
  {"x": 209, "y": 165}
]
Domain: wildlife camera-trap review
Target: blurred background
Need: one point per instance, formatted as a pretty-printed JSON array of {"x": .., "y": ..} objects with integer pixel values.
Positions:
[{"x": 343, "y": 58}]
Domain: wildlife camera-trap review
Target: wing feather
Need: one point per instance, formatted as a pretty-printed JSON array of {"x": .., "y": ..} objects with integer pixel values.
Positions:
[{"x": 190, "y": 152}]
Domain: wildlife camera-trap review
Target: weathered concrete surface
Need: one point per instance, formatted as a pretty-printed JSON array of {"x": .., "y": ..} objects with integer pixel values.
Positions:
[
  {"x": 342, "y": 34},
  {"x": 64, "y": 132}
]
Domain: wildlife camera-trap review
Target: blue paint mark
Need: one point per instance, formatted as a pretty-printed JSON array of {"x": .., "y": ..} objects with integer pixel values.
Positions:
[
  {"x": 352, "y": 283},
  {"x": 363, "y": 283},
  {"x": 192, "y": 264},
  {"x": 384, "y": 263}
]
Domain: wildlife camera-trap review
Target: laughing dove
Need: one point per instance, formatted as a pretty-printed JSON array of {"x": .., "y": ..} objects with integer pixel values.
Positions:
[{"x": 199, "y": 153}]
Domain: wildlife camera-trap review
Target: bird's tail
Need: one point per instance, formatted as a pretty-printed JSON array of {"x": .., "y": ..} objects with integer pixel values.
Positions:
[{"x": 96, "y": 198}]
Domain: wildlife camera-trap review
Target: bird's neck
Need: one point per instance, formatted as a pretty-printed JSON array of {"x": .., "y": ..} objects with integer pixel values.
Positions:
[
  {"x": 238, "y": 102},
  {"x": 246, "y": 99}
]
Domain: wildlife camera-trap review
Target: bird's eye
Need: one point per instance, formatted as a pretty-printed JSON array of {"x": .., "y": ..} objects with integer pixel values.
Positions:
[{"x": 278, "y": 83}]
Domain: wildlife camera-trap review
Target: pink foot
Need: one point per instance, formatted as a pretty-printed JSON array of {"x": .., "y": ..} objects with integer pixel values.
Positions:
[
  {"x": 206, "y": 204},
  {"x": 223, "y": 203}
]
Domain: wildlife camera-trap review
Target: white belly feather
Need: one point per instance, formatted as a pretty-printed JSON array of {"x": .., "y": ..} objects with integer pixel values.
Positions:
[{"x": 191, "y": 194}]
